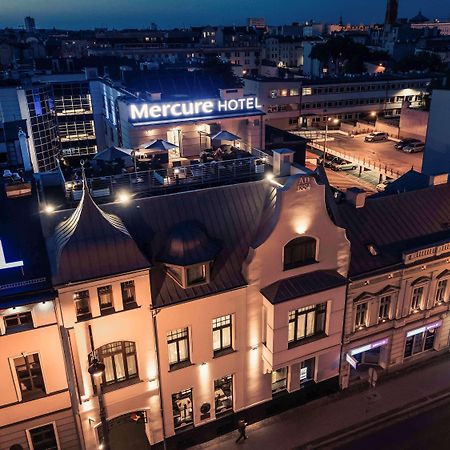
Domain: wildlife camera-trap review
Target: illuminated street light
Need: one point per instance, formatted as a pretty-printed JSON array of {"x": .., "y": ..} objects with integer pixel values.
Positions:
[
  {"x": 49, "y": 209},
  {"x": 123, "y": 197}
]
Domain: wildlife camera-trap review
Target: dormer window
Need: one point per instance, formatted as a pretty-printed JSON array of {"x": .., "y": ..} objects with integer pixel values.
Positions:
[{"x": 189, "y": 276}]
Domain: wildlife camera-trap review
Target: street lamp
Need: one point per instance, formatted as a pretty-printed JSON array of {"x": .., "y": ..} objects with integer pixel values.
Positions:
[
  {"x": 327, "y": 120},
  {"x": 97, "y": 369}
]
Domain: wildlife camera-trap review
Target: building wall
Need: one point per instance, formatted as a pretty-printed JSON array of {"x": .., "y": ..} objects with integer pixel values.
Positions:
[
  {"x": 141, "y": 394},
  {"x": 399, "y": 284},
  {"x": 413, "y": 123}
]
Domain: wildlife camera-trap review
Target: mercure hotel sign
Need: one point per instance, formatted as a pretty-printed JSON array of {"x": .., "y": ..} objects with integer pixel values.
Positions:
[{"x": 147, "y": 113}]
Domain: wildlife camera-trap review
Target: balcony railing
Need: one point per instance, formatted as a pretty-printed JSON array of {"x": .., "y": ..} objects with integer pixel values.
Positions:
[{"x": 173, "y": 179}]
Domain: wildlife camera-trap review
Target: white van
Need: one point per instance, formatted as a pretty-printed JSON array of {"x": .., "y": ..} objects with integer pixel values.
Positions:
[{"x": 376, "y": 136}]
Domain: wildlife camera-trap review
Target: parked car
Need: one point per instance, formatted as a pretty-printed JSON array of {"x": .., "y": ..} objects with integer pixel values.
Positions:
[
  {"x": 376, "y": 137},
  {"x": 414, "y": 148},
  {"x": 383, "y": 185},
  {"x": 404, "y": 142},
  {"x": 328, "y": 159},
  {"x": 341, "y": 164}
]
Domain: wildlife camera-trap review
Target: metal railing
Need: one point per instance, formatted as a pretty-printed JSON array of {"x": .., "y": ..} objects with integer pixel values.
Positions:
[{"x": 172, "y": 179}]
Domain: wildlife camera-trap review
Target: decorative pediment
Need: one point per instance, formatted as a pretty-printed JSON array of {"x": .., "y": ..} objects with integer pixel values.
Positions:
[
  {"x": 420, "y": 280},
  {"x": 443, "y": 274},
  {"x": 389, "y": 289},
  {"x": 364, "y": 296}
]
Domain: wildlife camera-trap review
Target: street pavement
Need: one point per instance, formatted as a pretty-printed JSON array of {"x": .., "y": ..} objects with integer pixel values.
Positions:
[
  {"x": 427, "y": 430},
  {"x": 329, "y": 421}
]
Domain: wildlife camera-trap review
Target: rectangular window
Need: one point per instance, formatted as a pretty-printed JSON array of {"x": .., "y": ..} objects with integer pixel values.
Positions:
[
  {"x": 82, "y": 305},
  {"x": 223, "y": 395},
  {"x": 182, "y": 409},
  {"x": 128, "y": 294},
  {"x": 222, "y": 335},
  {"x": 416, "y": 300},
  {"x": 43, "y": 438},
  {"x": 361, "y": 315},
  {"x": 441, "y": 292},
  {"x": 18, "y": 322},
  {"x": 306, "y": 322},
  {"x": 120, "y": 361},
  {"x": 105, "y": 298},
  {"x": 178, "y": 346},
  {"x": 273, "y": 93},
  {"x": 306, "y": 371},
  {"x": 279, "y": 380},
  {"x": 307, "y": 91},
  {"x": 293, "y": 92},
  {"x": 385, "y": 303},
  {"x": 29, "y": 374},
  {"x": 420, "y": 342}
]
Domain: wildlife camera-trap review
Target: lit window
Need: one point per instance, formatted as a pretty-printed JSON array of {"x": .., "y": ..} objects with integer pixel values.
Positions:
[
  {"x": 420, "y": 342},
  {"x": 299, "y": 252},
  {"x": 182, "y": 409},
  {"x": 223, "y": 395},
  {"x": 361, "y": 315},
  {"x": 306, "y": 322},
  {"x": 441, "y": 292},
  {"x": 385, "y": 304},
  {"x": 307, "y": 91},
  {"x": 120, "y": 361},
  {"x": 29, "y": 375},
  {"x": 222, "y": 339},
  {"x": 416, "y": 300},
  {"x": 279, "y": 380},
  {"x": 43, "y": 438},
  {"x": 306, "y": 371},
  {"x": 82, "y": 305},
  {"x": 105, "y": 298},
  {"x": 128, "y": 294},
  {"x": 178, "y": 347}
]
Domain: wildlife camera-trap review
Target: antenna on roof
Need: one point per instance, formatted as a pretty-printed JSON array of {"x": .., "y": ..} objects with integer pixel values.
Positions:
[{"x": 83, "y": 176}]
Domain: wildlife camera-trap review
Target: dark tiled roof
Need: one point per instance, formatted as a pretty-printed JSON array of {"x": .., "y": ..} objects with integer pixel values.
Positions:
[
  {"x": 393, "y": 224},
  {"x": 92, "y": 244},
  {"x": 22, "y": 240},
  {"x": 229, "y": 214},
  {"x": 301, "y": 285},
  {"x": 410, "y": 181}
]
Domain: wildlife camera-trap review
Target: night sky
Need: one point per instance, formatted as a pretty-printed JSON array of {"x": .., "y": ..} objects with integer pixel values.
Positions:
[{"x": 75, "y": 14}]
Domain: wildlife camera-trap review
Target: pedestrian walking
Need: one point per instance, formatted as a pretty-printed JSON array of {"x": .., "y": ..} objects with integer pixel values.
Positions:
[{"x": 242, "y": 425}]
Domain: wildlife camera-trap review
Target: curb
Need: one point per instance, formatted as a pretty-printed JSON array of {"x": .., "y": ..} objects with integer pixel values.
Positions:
[{"x": 391, "y": 416}]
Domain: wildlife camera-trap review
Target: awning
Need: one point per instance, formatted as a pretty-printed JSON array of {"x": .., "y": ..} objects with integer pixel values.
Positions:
[{"x": 226, "y": 136}]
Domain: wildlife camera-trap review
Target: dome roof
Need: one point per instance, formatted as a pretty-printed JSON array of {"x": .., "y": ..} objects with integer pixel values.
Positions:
[{"x": 188, "y": 243}]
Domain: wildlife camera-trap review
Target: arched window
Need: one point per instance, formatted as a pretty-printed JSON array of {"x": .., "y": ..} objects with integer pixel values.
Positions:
[
  {"x": 120, "y": 361},
  {"x": 298, "y": 252}
]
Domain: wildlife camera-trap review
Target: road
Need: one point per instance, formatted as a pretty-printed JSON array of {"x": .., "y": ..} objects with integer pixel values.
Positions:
[
  {"x": 380, "y": 153},
  {"x": 428, "y": 430}
]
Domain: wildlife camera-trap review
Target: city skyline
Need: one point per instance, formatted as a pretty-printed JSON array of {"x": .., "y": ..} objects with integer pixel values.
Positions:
[{"x": 118, "y": 14}]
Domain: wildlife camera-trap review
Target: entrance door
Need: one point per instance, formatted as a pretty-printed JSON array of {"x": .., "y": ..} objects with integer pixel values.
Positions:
[{"x": 128, "y": 432}]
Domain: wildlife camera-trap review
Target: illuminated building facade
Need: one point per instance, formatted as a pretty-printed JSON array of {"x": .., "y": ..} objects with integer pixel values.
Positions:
[{"x": 399, "y": 292}]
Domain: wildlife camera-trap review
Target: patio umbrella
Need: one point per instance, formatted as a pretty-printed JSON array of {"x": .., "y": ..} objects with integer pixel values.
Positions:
[
  {"x": 111, "y": 154},
  {"x": 158, "y": 144},
  {"x": 226, "y": 136}
]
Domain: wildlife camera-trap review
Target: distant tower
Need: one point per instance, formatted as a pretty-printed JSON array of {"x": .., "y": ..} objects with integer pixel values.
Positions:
[
  {"x": 30, "y": 25},
  {"x": 391, "y": 12}
]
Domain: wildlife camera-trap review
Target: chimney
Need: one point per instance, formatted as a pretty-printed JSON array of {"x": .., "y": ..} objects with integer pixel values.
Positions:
[
  {"x": 283, "y": 159},
  {"x": 356, "y": 197}
]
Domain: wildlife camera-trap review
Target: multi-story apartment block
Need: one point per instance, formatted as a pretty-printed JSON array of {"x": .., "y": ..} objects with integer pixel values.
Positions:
[
  {"x": 285, "y": 51},
  {"x": 398, "y": 296},
  {"x": 35, "y": 402},
  {"x": 279, "y": 99}
]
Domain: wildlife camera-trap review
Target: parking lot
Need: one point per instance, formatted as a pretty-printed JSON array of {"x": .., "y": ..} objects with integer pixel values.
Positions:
[{"x": 375, "y": 154}]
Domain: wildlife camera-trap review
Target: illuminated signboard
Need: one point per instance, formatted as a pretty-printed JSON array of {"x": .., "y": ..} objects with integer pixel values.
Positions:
[
  {"x": 432, "y": 326},
  {"x": 352, "y": 361},
  {"x": 365, "y": 348},
  {"x": 153, "y": 113},
  {"x": 4, "y": 264}
]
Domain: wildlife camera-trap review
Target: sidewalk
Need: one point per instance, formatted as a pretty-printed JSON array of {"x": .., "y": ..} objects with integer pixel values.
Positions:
[{"x": 344, "y": 411}]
